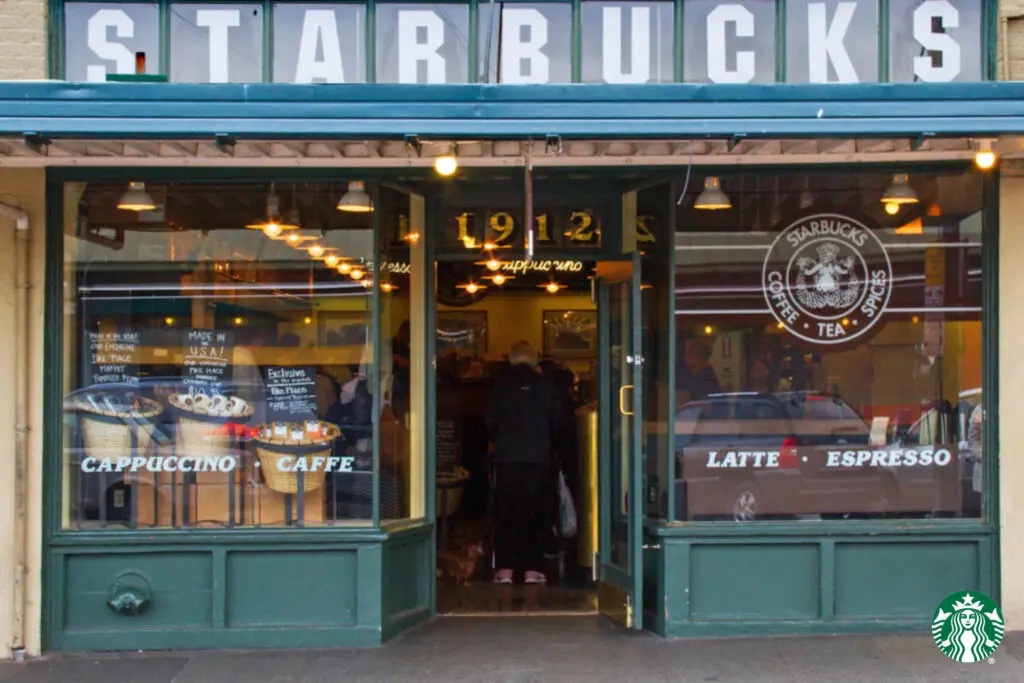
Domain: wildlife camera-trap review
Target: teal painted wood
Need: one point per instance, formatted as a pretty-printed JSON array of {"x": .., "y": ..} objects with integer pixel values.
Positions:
[
  {"x": 818, "y": 585},
  {"x": 211, "y": 639},
  {"x": 990, "y": 372},
  {"x": 139, "y": 110},
  {"x": 243, "y": 595}
]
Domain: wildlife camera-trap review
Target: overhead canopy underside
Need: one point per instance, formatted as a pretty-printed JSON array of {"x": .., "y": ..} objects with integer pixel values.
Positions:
[{"x": 126, "y": 124}]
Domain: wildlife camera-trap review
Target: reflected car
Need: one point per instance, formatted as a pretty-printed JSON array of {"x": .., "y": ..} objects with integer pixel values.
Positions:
[{"x": 746, "y": 456}]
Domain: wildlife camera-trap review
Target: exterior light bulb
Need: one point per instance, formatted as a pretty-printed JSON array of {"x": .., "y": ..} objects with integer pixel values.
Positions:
[
  {"x": 273, "y": 230},
  {"x": 357, "y": 273},
  {"x": 168, "y": 321},
  {"x": 892, "y": 208},
  {"x": 446, "y": 164},
  {"x": 317, "y": 250},
  {"x": 307, "y": 320},
  {"x": 708, "y": 330},
  {"x": 493, "y": 264},
  {"x": 239, "y": 321},
  {"x": 344, "y": 268},
  {"x": 332, "y": 260},
  {"x": 985, "y": 158}
]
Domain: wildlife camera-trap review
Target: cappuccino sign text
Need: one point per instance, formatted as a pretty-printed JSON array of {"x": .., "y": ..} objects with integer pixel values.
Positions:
[{"x": 722, "y": 41}]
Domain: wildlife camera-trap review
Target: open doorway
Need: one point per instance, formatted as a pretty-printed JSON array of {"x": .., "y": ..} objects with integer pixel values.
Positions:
[{"x": 483, "y": 310}]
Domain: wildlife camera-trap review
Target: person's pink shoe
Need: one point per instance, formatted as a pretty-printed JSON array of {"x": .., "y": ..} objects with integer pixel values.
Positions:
[
  {"x": 503, "y": 576},
  {"x": 536, "y": 577}
]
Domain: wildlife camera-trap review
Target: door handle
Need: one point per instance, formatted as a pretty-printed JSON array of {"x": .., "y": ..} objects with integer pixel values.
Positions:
[{"x": 622, "y": 399}]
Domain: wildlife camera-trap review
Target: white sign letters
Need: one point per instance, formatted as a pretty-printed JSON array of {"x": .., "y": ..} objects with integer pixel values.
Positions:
[{"x": 628, "y": 42}]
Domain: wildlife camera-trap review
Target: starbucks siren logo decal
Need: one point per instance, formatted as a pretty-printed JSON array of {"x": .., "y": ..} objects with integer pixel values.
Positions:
[
  {"x": 827, "y": 278},
  {"x": 967, "y": 627}
]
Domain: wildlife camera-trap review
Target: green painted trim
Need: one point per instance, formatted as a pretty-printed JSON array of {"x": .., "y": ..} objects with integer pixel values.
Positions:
[
  {"x": 165, "y": 37},
  {"x": 670, "y": 316},
  {"x": 636, "y": 493},
  {"x": 679, "y": 34},
  {"x": 712, "y": 629},
  {"x": 379, "y": 347},
  {"x": 371, "y": 41},
  {"x": 780, "y": 41},
  {"x": 576, "y": 43},
  {"x": 53, "y": 323},
  {"x": 136, "y": 78},
  {"x": 827, "y": 580},
  {"x": 883, "y": 19},
  {"x": 55, "y": 42},
  {"x": 730, "y": 531},
  {"x": 178, "y": 537},
  {"x": 405, "y": 621},
  {"x": 991, "y": 364},
  {"x": 219, "y": 594},
  {"x": 431, "y": 226},
  {"x": 267, "y": 56},
  {"x": 473, "y": 45},
  {"x": 990, "y": 41},
  {"x": 272, "y": 637},
  {"x": 604, "y": 417}
]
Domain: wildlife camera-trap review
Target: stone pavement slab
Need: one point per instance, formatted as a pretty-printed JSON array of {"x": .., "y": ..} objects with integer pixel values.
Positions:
[{"x": 546, "y": 650}]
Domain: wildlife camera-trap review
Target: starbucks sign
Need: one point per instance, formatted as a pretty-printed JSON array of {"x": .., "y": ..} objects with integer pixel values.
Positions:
[
  {"x": 967, "y": 627},
  {"x": 827, "y": 278}
]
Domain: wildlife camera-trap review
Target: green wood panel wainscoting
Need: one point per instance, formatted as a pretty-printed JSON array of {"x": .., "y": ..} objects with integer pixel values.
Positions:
[
  {"x": 773, "y": 578},
  {"x": 324, "y": 588}
]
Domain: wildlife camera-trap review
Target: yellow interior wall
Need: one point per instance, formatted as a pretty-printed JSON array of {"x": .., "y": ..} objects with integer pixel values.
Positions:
[{"x": 513, "y": 316}]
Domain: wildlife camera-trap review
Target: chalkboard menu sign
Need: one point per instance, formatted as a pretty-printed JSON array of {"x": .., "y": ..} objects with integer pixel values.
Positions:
[
  {"x": 207, "y": 358},
  {"x": 112, "y": 358},
  {"x": 291, "y": 394},
  {"x": 445, "y": 444}
]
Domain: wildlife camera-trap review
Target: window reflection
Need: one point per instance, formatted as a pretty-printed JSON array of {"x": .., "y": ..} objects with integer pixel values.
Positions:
[
  {"x": 218, "y": 356},
  {"x": 825, "y": 413}
]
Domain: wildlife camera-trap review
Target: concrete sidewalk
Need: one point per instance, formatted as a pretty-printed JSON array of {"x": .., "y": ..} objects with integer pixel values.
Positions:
[{"x": 551, "y": 649}]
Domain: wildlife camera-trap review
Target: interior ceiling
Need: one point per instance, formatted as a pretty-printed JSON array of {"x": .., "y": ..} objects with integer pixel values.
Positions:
[{"x": 397, "y": 154}]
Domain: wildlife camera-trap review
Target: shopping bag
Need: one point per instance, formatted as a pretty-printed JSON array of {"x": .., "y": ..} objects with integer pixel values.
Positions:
[{"x": 567, "y": 524}]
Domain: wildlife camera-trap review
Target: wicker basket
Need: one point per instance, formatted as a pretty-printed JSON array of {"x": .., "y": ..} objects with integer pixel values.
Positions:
[
  {"x": 203, "y": 436},
  {"x": 107, "y": 435},
  {"x": 270, "y": 453}
]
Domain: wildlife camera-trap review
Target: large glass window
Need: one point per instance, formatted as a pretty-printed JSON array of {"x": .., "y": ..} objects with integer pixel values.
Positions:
[
  {"x": 219, "y": 355},
  {"x": 829, "y": 348}
]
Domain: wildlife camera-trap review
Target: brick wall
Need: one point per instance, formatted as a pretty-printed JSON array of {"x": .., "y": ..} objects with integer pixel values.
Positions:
[{"x": 22, "y": 39}]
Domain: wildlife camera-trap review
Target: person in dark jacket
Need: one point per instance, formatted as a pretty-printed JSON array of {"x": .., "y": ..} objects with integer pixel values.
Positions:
[{"x": 523, "y": 417}]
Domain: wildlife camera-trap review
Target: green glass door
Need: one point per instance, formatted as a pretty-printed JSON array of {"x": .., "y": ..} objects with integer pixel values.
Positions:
[{"x": 619, "y": 557}]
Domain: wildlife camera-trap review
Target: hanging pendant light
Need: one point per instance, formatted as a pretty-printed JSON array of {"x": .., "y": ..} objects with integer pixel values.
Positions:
[
  {"x": 712, "y": 198},
  {"x": 274, "y": 226},
  {"x": 900, "y": 191},
  {"x": 472, "y": 287},
  {"x": 500, "y": 278},
  {"x": 135, "y": 198},
  {"x": 356, "y": 200}
]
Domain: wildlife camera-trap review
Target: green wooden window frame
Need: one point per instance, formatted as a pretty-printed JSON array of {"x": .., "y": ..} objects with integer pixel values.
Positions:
[{"x": 989, "y": 35}]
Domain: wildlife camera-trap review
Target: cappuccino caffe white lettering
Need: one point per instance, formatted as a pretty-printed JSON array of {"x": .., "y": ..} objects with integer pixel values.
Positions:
[{"x": 938, "y": 41}]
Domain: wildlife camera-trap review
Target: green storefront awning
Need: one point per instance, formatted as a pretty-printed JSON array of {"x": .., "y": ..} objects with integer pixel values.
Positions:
[{"x": 61, "y": 110}]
